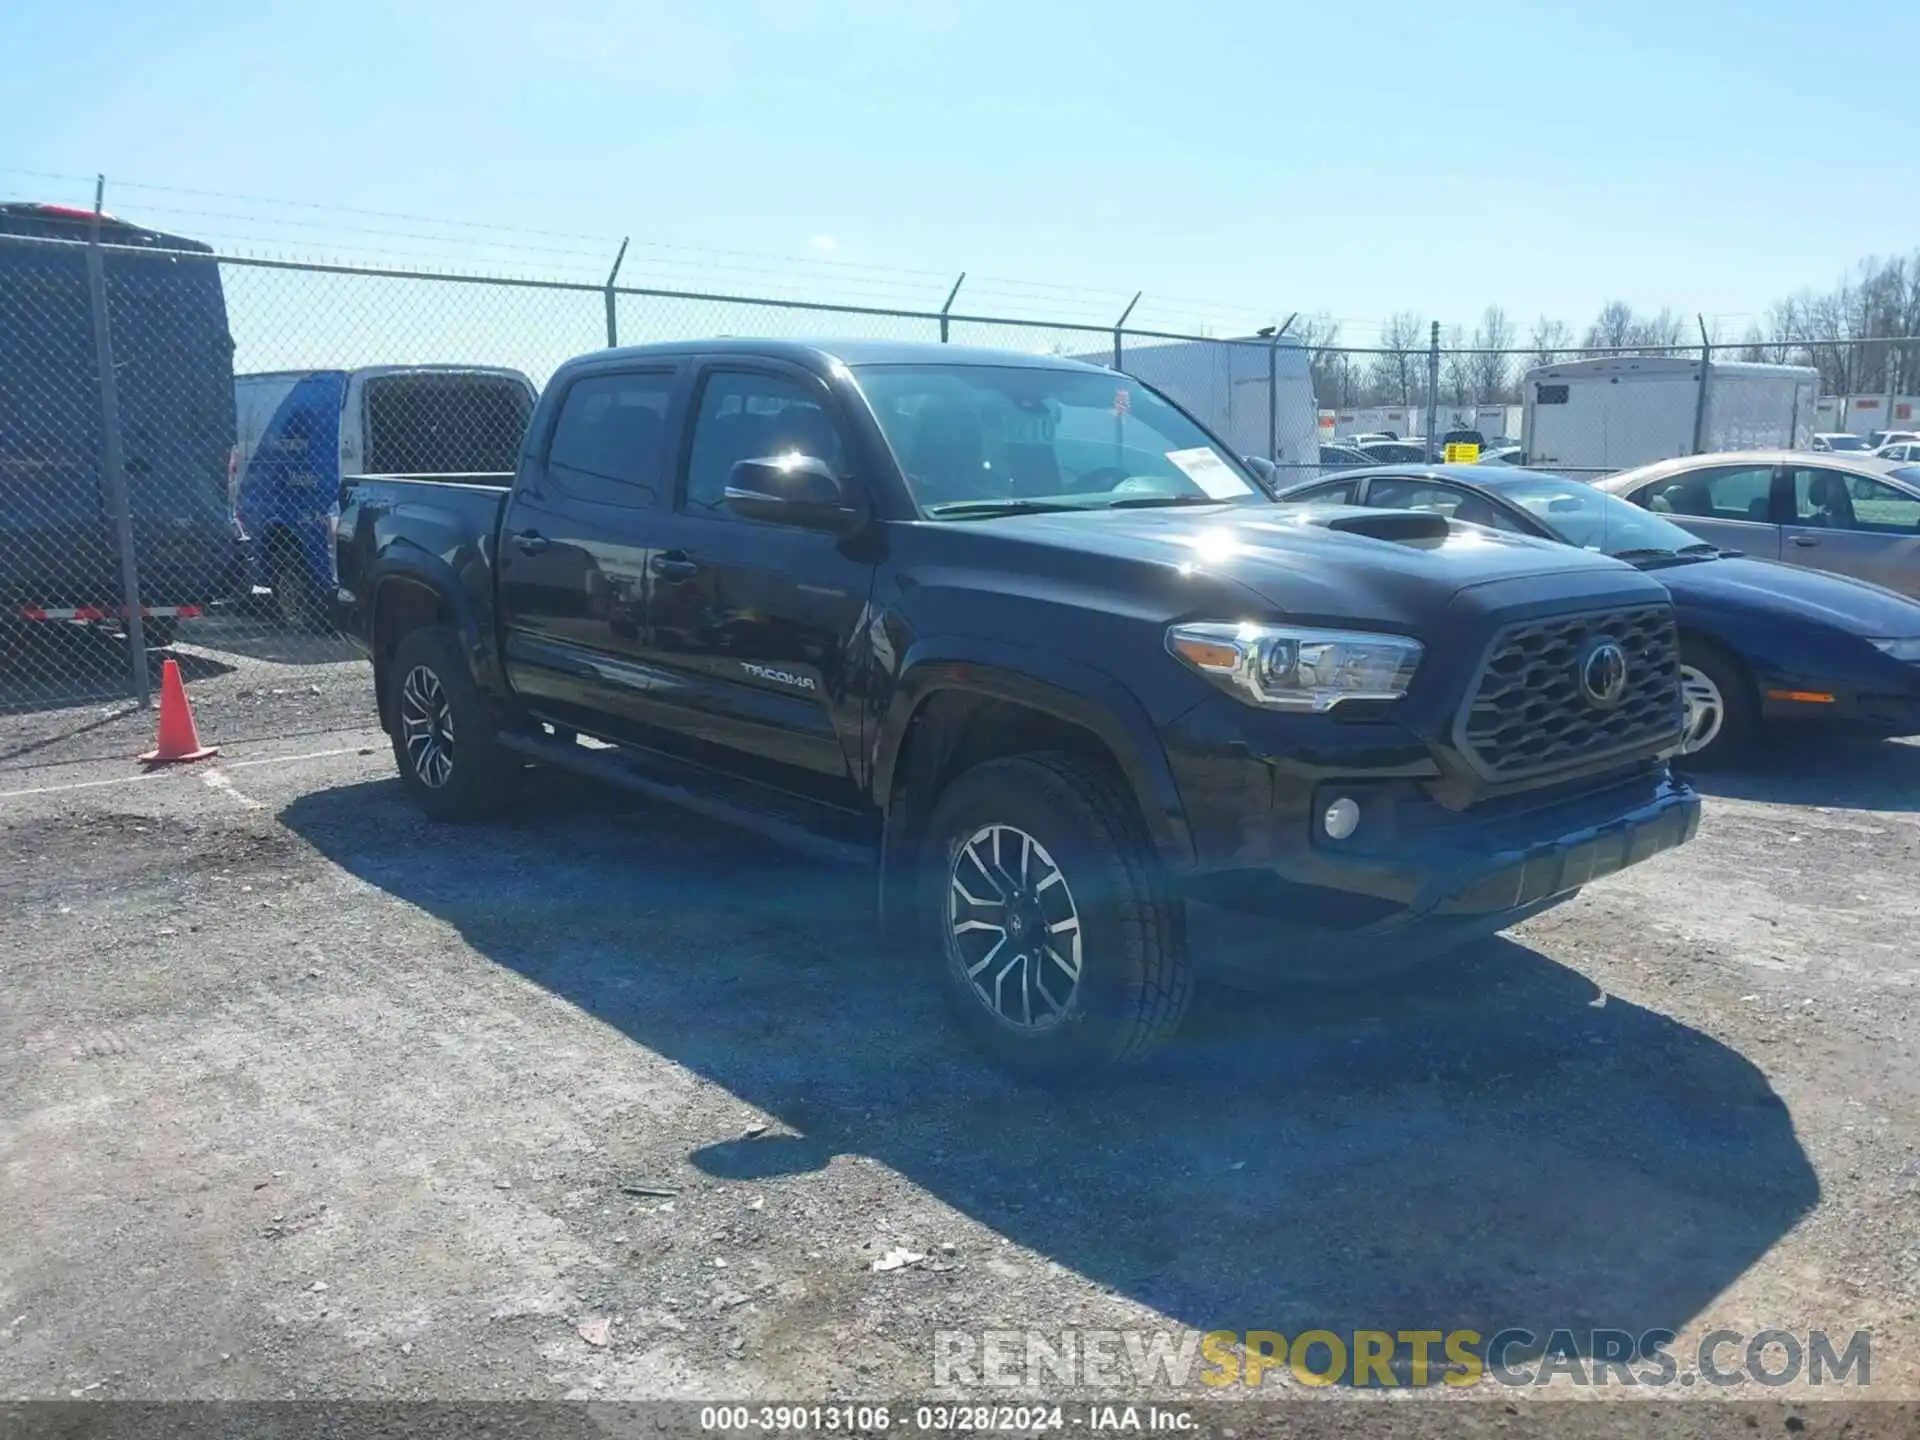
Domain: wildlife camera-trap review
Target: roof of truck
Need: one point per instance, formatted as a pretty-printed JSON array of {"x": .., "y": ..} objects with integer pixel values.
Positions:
[{"x": 848, "y": 352}]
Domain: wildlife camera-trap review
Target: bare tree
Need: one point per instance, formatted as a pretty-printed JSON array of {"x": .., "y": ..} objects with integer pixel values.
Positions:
[
  {"x": 1491, "y": 372},
  {"x": 1396, "y": 371},
  {"x": 1550, "y": 341},
  {"x": 1456, "y": 367},
  {"x": 1319, "y": 333},
  {"x": 1612, "y": 330}
]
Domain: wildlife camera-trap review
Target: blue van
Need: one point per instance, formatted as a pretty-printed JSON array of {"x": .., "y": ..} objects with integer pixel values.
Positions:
[
  {"x": 173, "y": 360},
  {"x": 300, "y": 431}
]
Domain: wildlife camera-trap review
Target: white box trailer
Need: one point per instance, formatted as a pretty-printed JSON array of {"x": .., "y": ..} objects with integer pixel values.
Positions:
[
  {"x": 1864, "y": 415},
  {"x": 1613, "y": 414},
  {"x": 1224, "y": 385},
  {"x": 1400, "y": 421}
]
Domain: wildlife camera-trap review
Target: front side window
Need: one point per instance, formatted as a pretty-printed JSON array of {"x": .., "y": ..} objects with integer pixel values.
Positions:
[
  {"x": 1839, "y": 500},
  {"x": 746, "y": 416},
  {"x": 608, "y": 442},
  {"x": 1455, "y": 504},
  {"x": 973, "y": 437}
]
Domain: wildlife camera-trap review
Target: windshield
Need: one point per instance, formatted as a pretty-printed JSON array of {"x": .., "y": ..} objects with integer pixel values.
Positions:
[
  {"x": 1593, "y": 519},
  {"x": 975, "y": 438}
]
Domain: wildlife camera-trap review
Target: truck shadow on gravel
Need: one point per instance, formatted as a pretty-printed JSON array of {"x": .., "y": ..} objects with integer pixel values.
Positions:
[
  {"x": 1494, "y": 1143},
  {"x": 1852, "y": 773}
]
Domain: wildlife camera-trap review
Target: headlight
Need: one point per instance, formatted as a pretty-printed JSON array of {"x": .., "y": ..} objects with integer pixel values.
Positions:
[
  {"x": 1908, "y": 649},
  {"x": 1285, "y": 667}
]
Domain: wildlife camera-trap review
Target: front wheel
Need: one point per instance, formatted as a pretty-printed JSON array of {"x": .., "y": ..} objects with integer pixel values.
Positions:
[
  {"x": 1062, "y": 950},
  {"x": 1720, "y": 716},
  {"x": 443, "y": 730}
]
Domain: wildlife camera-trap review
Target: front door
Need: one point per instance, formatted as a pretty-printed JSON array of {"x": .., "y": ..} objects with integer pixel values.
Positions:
[
  {"x": 755, "y": 631},
  {"x": 572, "y": 561},
  {"x": 1855, "y": 525}
]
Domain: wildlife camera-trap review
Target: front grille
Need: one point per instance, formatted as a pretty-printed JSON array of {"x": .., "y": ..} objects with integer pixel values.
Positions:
[{"x": 1530, "y": 715}]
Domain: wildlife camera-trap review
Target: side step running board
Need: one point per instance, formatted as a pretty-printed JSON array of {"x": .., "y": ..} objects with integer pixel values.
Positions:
[{"x": 630, "y": 771}]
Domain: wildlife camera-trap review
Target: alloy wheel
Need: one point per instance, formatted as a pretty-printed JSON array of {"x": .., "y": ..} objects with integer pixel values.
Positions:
[
  {"x": 1013, "y": 928},
  {"x": 426, "y": 724}
]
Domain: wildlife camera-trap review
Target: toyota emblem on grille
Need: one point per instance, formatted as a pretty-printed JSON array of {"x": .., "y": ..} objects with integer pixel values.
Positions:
[{"x": 1603, "y": 674}]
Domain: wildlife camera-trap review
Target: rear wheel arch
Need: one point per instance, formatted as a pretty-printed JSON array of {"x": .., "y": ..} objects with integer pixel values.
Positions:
[{"x": 401, "y": 605}]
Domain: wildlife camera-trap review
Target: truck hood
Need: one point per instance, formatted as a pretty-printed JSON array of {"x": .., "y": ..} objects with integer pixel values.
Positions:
[
  {"x": 1292, "y": 561},
  {"x": 1797, "y": 597}
]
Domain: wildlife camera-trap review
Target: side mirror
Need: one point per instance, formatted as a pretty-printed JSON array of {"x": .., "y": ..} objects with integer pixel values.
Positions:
[{"x": 791, "y": 490}]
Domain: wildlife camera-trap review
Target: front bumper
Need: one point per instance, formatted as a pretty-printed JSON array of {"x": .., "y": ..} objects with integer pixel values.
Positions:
[{"x": 1429, "y": 881}]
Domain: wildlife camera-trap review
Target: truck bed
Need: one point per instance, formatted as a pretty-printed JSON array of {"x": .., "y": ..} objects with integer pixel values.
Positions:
[{"x": 438, "y": 528}]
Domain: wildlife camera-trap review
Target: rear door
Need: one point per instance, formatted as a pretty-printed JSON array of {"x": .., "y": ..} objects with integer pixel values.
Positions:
[
  {"x": 1736, "y": 507},
  {"x": 572, "y": 558},
  {"x": 1855, "y": 525},
  {"x": 753, "y": 628},
  {"x": 55, "y": 544}
]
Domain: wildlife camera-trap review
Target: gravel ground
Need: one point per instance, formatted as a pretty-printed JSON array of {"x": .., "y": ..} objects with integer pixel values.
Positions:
[
  {"x": 64, "y": 690},
  {"x": 301, "y": 1095}
]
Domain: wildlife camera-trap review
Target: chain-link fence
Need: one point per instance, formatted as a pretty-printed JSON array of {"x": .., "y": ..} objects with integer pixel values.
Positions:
[{"x": 174, "y": 425}]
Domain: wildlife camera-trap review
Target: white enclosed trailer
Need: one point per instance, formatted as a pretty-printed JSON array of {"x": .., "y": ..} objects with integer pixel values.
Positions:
[
  {"x": 1613, "y": 414},
  {"x": 1224, "y": 384},
  {"x": 1399, "y": 421}
]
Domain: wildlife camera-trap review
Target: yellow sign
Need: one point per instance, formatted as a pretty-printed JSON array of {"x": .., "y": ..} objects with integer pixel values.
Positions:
[{"x": 1463, "y": 454}]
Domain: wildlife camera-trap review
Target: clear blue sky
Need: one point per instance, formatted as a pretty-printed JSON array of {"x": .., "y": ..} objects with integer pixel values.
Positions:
[{"x": 1261, "y": 157}]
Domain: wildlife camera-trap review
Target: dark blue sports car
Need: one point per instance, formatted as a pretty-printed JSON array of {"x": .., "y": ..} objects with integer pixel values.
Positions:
[{"x": 1759, "y": 642}]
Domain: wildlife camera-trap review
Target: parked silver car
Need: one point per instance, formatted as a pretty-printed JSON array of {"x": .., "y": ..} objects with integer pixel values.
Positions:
[{"x": 1853, "y": 515}]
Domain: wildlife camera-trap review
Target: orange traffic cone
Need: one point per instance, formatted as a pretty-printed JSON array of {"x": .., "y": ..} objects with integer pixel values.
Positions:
[{"x": 178, "y": 738}]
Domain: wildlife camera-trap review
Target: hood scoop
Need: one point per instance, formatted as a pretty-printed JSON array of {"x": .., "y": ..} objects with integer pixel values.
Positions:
[{"x": 1386, "y": 524}]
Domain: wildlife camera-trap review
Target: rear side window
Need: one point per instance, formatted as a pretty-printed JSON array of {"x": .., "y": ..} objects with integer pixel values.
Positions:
[
  {"x": 1730, "y": 493},
  {"x": 430, "y": 423},
  {"x": 609, "y": 443}
]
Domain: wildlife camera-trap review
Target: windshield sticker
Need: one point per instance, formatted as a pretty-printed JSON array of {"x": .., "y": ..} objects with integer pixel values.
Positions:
[{"x": 1205, "y": 468}]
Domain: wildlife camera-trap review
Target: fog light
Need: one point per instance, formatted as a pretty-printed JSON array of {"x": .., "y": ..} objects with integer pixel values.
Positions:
[{"x": 1342, "y": 818}]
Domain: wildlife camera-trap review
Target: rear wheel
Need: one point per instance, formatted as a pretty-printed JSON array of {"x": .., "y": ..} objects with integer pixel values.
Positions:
[
  {"x": 296, "y": 599},
  {"x": 443, "y": 730},
  {"x": 1721, "y": 716},
  {"x": 1062, "y": 951}
]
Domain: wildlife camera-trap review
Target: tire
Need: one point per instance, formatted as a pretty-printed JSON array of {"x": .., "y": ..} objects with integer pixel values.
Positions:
[
  {"x": 296, "y": 602},
  {"x": 1722, "y": 718},
  {"x": 443, "y": 730},
  {"x": 1076, "y": 862}
]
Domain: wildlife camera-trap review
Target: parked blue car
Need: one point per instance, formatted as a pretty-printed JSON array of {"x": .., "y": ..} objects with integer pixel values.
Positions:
[{"x": 1760, "y": 642}]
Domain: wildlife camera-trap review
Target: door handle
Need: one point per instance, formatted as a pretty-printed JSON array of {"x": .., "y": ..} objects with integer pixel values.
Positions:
[
  {"x": 530, "y": 542},
  {"x": 674, "y": 565},
  {"x": 1806, "y": 542}
]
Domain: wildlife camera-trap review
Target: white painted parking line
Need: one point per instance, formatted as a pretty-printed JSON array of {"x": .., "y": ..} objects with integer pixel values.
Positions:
[
  {"x": 215, "y": 780},
  {"x": 161, "y": 774}
]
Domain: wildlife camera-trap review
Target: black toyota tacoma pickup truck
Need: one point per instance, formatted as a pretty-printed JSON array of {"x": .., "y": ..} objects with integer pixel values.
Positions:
[{"x": 1024, "y": 637}]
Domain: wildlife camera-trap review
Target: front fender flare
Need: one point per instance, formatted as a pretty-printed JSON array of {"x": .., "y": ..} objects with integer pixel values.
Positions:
[{"x": 1055, "y": 685}]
